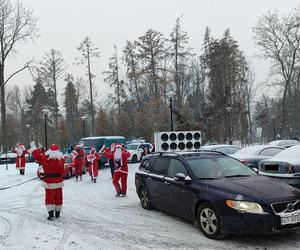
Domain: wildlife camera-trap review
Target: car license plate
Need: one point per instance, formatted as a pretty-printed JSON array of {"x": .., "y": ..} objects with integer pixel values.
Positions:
[{"x": 290, "y": 219}]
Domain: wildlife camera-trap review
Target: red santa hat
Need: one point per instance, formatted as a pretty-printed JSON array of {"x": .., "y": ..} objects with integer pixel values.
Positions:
[
  {"x": 93, "y": 150},
  {"x": 118, "y": 146},
  {"x": 20, "y": 145},
  {"x": 54, "y": 153},
  {"x": 78, "y": 146}
]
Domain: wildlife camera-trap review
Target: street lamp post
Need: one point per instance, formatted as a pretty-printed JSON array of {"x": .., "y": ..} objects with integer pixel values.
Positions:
[
  {"x": 274, "y": 131},
  {"x": 170, "y": 95},
  {"x": 45, "y": 111},
  {"x": 27, "y": 126},
  {"x": 83, "y": 124}
]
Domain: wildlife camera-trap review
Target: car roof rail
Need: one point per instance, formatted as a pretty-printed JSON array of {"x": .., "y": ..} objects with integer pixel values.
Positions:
[{"x": 167, "y": 153}]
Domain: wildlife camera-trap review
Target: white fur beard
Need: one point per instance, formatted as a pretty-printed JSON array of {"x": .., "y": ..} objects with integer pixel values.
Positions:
[
  {"x": 117, "y": 155},
  {"x": 19, "y": 151}
]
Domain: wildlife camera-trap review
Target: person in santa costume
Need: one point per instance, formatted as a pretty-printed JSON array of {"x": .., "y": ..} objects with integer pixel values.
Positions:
[
  {"x": 52, "y": 162},
  {"x": 92, "y": 159},
  {"x": 120, "y": 156},
  {"x": 21, "y": 157},
  {"x": 78, "y": 160},
  {"x": 110, "y": 157}
]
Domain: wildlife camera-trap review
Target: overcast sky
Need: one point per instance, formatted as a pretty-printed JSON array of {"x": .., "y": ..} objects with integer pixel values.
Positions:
[{"x": 63, "y": 24}]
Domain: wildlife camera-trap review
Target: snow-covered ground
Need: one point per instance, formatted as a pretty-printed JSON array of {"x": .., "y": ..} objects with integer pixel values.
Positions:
[{"x": 93, "y": 218}]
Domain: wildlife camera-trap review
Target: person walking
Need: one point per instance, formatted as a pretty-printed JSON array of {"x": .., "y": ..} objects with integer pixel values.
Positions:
[
  {"x": 21, "y": 157},
  {"x": 120, "y": 157},
  {"x": 92, "y": 159},
  {"x": 52, "y": 162},
  {"x": 78, "y": 160},
  {"x": 145, "y": 152}
]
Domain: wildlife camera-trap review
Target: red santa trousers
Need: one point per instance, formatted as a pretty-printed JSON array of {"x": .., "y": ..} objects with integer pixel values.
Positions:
[
  {"x": 53, "y": 199},
  {"x": 94, "y": 170},
  {"x": 116, "y": 178},
  {"x": 78, "y": 168}
]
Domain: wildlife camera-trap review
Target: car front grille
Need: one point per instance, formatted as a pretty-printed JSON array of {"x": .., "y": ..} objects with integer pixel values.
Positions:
[{"x": 286, "y": 206}]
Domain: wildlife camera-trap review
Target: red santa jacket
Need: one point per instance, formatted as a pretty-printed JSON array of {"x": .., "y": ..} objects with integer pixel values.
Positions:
[
  {"x": 78, "y": 156},
  {"x": 121, "y": 165},
  {"x": 92, "y": 159},
  {"x": 21, "y": 157},
  {"x": 53, "y": 168}
]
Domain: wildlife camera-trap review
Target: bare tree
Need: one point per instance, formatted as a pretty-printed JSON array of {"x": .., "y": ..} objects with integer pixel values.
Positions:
[
  {"x": 51, "y": 70},
  {"x": 279, "y": 39},
  {"x": 88, "y": 51},
  {"x": 17, "y": 25}
]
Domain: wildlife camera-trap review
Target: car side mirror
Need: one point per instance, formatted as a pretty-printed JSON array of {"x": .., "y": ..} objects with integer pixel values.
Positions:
[
  {"x": 179, "y": 177},
  {"x": 182, "y": 177},
  {"x": 255, "y": 170}
]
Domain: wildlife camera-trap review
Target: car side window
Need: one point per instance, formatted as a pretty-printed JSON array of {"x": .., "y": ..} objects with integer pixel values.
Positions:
[
  {"x": 161, "y": 166},
  {"x": 176, "y": 167},
  {"x": 232, "y": 150},
  {"x": 222, "y": 150},
  {"x": 270, "y": 151}
]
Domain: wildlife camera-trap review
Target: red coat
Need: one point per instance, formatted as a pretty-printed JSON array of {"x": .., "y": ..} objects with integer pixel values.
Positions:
[
  {"x": 53, "y": 169},
  {"x": 78, "y": 157},
  {"x": 123, "y": 165},
  {"x": 21, "y": 158},
  {"x": 92, "y": 161}
]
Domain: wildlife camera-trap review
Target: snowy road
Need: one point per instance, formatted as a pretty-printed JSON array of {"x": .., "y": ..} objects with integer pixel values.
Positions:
[{"x": 92, "y": 218}]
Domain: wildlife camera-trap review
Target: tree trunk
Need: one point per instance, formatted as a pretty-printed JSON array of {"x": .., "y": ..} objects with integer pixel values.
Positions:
[
  {"x": 3, "y": 109},
  {"x": 91, "y": 92}
]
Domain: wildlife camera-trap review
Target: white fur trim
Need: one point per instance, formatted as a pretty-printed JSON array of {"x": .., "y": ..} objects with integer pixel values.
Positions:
[
  {"x": 32, "y": 149},
  {"x": 50, "y": 207},
  {"x": 58, "y": 208},
  {"x": 54, "y": 154},
  {"x": 52, "y": 185}
]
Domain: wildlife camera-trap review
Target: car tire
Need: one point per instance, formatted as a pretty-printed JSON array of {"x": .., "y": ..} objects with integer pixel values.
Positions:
[
  {"x": 209, "y": 221},
  {"x": 134, "y": 159},
  {"x": 145, "y": 198}
]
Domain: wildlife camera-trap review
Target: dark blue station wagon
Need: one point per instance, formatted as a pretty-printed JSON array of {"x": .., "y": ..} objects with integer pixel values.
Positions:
[{"x": 217, "y": 193}]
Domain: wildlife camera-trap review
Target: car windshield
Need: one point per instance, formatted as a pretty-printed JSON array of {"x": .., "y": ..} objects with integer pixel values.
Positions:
[
  {"x": 132, "y": 146},
  {"x": 218, "y": 167}
]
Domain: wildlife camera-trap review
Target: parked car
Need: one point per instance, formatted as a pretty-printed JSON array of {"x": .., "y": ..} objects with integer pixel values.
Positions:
[
  {"x": 8, "y": 158},
  {"x": 284, "y": 143},
  {"x": 284, "y": 166},
  {"x": 252, "y": 155},
  {"x": 136, "y": 150},
  {"x": 223, "y": 148},
  {"x": 216, "y": 192},
  {"x": 69, "y": 169}
]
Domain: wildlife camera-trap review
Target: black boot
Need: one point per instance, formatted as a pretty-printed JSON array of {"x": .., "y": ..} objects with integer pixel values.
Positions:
[
  {"x": 51, "y": 215},
  {"x": 57, "y": 214}
]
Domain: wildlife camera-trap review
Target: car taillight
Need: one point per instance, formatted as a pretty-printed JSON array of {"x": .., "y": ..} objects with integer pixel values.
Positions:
[{"x": 290, "y": 169}]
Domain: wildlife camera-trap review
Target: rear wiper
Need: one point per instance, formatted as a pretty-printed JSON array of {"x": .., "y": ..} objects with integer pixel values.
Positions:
[{"x": 237, "y": 175}]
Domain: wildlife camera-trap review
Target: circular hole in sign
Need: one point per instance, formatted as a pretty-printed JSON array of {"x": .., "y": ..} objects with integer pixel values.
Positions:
[
  {"x": 189, "y": 145},
  {"x": 164, "y": 137},
  {"x": 181, "y": 146},
  {"x": 173, "y": 137},
  {"x": 165, "y": 146},
  {"x": 197, "y": 136},
  {"x": 181, "y": 136},
  {"x": 197, "y": 145},
  {"x": 173, "y": 146},
  {"x": 189, "y": 136}
]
